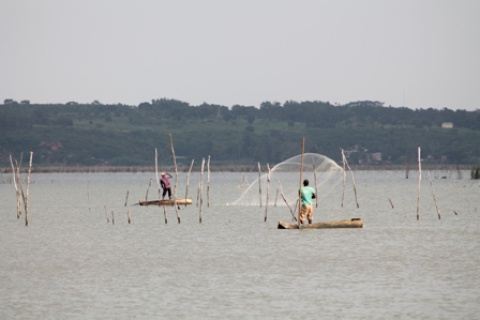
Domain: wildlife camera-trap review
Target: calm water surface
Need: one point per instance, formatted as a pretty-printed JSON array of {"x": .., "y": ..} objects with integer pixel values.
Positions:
[{"x": 70, "y": 263}]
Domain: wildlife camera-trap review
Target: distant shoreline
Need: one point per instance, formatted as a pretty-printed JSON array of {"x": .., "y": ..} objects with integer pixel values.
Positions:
[{"x": 234, "y": 168}]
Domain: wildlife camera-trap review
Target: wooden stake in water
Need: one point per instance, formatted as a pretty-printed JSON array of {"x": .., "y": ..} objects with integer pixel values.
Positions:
[
  {"x": 433, "y": 194},
  {"x": 260, "y": 183},
  {"x": 200, "y": 192},
  {"x": 353, "y": 181},
  {"x": 149, "y": 185},
  {"x": 419, "y": 181},
  {"x": 113, "y": 218},
  {"x": 157, "y": 178},
  {"x": 129, "y": 216},
  {"x": 391, "y": 203},
  {"x": 300, "y": 189},
  {"x": 88, "y": 195},
  {"x": 28, "y": 184},
  {"x": 188, "y": 180},
  {"x": 344, "y": 176},
  {"x": 106, "y": 216},
  {"x": 176, "y": 177},
  {"x": 292, "y": 212},
  {"x": 268, "y": 191},
  {"x": 208, "y": 182},
  {"x": 165, "y": 214},
  {"x": 19, "y": 181},
  {"x": 17, "y": 190},
  {"x": 126, "y": 197},
  {"x": 315, "y": 185}
]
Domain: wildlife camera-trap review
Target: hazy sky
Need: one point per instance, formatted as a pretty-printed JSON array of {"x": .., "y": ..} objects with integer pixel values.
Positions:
[{"x": 421, "y": 53}]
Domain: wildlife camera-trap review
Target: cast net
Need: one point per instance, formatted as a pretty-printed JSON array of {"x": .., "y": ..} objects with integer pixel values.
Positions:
[{"x": 324, "y": 174}]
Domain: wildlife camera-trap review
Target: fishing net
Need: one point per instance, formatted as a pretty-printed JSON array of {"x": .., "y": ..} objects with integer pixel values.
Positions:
[{"x": 324, "y": 174}]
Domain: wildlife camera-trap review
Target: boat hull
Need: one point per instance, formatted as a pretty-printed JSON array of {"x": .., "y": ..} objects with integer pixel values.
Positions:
[
  {"x": 166, "y": 202},
  {"x": 352, "y": 223}
]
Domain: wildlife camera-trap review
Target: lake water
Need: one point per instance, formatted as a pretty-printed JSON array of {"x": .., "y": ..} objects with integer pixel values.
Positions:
[{"x": 70, "y": 263}]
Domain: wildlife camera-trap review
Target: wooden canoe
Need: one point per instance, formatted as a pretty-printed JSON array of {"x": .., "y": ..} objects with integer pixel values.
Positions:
[
  {"x": 352, "y": 223},
  {"x": 166, "y": 202}
]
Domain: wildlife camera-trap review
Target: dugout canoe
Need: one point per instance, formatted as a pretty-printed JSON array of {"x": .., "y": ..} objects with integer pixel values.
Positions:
[
  {"x": 166, "y": 202},
  {"x": 352, "y": 223}
]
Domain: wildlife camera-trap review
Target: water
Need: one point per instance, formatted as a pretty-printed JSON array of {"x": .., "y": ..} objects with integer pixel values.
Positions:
[{"x": 70, "y": 263}]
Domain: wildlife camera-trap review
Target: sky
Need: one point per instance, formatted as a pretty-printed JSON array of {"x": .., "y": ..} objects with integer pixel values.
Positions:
[{"x": 414, "y": 53}]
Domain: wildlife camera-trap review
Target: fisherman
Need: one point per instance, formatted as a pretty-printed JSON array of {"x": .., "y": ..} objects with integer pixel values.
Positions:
[
  {"x": 306, "y": 210},
  {"x": 165, "y": 183}
]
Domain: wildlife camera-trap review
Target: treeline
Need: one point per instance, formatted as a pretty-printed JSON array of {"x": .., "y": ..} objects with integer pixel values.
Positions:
[{"x": 121, "y": 135}]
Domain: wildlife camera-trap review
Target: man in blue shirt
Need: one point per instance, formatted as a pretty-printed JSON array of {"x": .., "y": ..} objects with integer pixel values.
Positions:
[{"x": 306, "y": 210}]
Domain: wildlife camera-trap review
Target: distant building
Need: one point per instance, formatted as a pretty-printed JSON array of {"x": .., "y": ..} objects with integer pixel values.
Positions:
[
  {"x": 447, "y": 125},
  {"x": 376, "y": 156}
]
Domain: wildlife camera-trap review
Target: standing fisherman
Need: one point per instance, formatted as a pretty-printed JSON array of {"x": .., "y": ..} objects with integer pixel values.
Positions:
[
  {"x": 306, "y": 211},
  {"x": 165, "y": 183}
]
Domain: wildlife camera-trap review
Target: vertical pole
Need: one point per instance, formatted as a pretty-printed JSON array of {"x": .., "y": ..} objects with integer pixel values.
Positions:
[
  {"x": 200, "y": 192},
  {"x": 176, "y": 177},
  {"x": 433, "y": 194},
  {"x": 126, "y": 197},
  {"x": 300, "y": 189},
  {"x": 260, "y": 183},
  {"x": 344, "y": 176},
  {"x": 17, "y": 191},
  {"x": 148, "y": 189},
  {"x": 208, "y": 182},
  {"x": 268, "y": 191},
  {"x": 419, "y": 181},
  {"x": 315, "y": 185},
  {"x": 28, "y": 183},
  {"x": 156, "y": 176},
  {"x": 188, "y": 180}
]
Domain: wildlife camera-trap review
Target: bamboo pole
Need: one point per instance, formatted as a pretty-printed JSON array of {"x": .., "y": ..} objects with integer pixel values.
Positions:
[
  {"x": 165, "y": 214},
  {"x": 433, "y": 194},
  {"x": 176, "y": 177},
  {"x": 315, "y": 185},
  {"x": 300, "y": 189},
  {"x": 200, "y": 192},
  {"x": 344, "y": 176},
  {"x": 260, "y": 183},
  {"x": 292, "y": 212},
  {"x": 156, "y": 176},
  {"x": 126, "y": 198},
  {"x": 88, "y": 195},
  {"x": 208, "y": 182},
  {"x": 126, "y": 201},
  {"x": 20, "y": 187},
  {"x": 353, "y": 181},
  {"x": 17, "y": 190},
  {"x": 28, "y": 184},
  {"x": 106, "y": 216},
  {"x": 391, "y": 203},
  {"x": 149, "y": 185},
  {"x": 188, "y": 180},
  {"x": 419, "y": 181},
  {"x": 407, "y": 167},
  {"x": 268, "y": 191},
  {"x": 129, "y": 216}
]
